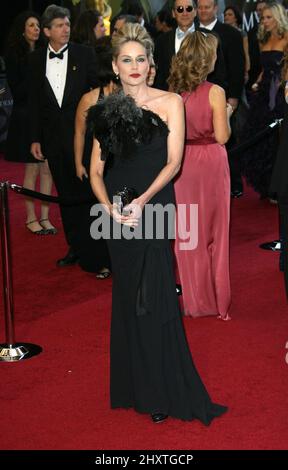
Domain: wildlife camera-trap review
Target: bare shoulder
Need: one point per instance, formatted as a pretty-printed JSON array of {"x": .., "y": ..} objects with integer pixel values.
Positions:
[
  {"x": 90, "y": 98},
  {"x": 164, "y": 96},
  {"x": 166, "y": 104},
  {"x": 171, "y": 102},
  {"x": 216, "y": 95},
  {"x": 174, "y": 99},
  {"x": 169, "y": 97},
  {"x": 216, "y": 91},
  {"x": 286, "y": 38}
]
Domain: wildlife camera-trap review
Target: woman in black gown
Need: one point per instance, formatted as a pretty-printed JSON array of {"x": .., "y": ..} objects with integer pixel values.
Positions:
[
  {"x": 140, "y": 134},
  {"x": 267, "y": 102},
  {"x": 279, "y": 180},
  {"x": 23, "y": 38},
  {"x": 83, "y": 141}
]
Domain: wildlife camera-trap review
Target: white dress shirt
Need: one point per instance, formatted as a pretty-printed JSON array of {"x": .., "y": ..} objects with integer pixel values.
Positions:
[
  {"x": 178, "y": 40},
  {"x": 56, "y": 71},
  {"x": 209, "y": 26}
]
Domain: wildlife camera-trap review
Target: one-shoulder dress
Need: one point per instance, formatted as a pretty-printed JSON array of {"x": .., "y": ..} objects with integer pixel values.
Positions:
[{"x": 151, "y": 365}]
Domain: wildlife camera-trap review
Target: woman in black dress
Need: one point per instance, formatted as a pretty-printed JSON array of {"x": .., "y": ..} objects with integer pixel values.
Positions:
[
  {"x": 267, "y": 102},
  {"x": 139, "y": 134},
  {"x": 22, "y": 40},
  {"x": 83, "y": 141},
  {"x": 279, "y": 180}
]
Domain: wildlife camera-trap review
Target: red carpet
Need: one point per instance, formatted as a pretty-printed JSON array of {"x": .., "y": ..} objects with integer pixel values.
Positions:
[{"x": 60, "y": 399}]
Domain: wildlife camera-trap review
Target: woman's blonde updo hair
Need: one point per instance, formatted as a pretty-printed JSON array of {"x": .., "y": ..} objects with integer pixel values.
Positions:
[
  {"x": 132, "y": 32},
  {"x": 280, "y": 15},
  {"x": 192, "y": 64}
]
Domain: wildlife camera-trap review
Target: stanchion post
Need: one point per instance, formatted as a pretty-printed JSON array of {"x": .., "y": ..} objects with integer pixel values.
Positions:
[
  {"x": 6, "y": 264},
  {"x": 10, "y": 351}
]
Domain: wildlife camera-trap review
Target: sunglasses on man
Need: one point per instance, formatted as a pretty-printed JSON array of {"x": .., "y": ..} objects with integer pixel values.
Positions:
[{"x": 188, "y": 9}]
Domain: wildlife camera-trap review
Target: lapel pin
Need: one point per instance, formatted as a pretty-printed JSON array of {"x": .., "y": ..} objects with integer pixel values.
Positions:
[{"x": 74, "y": 67}]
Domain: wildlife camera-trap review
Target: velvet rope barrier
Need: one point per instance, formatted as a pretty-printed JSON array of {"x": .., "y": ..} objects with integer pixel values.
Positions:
[
  {"x": 33, "y": 194},
  {"x": 65, "y": 201},
  {"x": 253, "y": 140}
]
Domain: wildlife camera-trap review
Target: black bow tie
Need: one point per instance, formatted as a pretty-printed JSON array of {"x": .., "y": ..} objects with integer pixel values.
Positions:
[{"x": 52, "y": 54}]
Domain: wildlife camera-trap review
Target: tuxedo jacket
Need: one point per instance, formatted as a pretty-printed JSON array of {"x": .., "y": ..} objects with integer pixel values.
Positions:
[
  {"x": 50, "y": 124},
  {"x": 233, "y": 51},
  {"x": 165, "y": 50}
]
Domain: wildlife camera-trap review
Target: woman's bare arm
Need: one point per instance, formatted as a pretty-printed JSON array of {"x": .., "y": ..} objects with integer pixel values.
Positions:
[
  {"x": 86, "y": 101},
  {"x": 176, "y": 125},
  {"x": 221, "y": 114}
]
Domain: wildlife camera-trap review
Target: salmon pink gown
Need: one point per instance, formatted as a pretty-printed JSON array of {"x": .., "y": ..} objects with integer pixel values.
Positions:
[{"x": 202, "y": 253}]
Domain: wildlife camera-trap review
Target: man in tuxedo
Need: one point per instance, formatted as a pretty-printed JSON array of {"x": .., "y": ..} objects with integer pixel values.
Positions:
[
  {"x": 168, "y": 44},
  {"x": 59, "y": 75},
  {"x": 232, "y": 46}
]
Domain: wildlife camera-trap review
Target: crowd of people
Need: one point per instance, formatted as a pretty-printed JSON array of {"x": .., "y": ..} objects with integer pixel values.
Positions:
[{"x": 108, "y": 114}]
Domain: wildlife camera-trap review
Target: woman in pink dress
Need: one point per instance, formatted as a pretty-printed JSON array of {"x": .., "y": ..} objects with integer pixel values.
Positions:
[{"x": 203, "y": 187}]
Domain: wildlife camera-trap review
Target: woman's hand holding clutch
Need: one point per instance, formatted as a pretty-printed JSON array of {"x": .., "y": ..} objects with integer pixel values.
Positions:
[
  {"x": 127, "y": 207},
  {"x": 130, "y": 214},
  {"x": 134, "y": 209}
]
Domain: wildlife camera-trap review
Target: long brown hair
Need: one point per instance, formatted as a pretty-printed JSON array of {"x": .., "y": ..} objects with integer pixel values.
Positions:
[{"x": 193, "y": 62}]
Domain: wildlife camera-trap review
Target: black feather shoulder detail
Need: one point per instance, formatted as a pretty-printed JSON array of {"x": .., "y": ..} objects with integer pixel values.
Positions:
[{"x": 118, "y": 124}]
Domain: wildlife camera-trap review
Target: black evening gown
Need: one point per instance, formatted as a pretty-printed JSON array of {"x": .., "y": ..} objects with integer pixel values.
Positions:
[
  {"x": 18, "y": 143},
  {"x": 151, "y": 365},
  {"x": 279, "y": 185},
  {"x": 97, "y": 257},
  {"x": 266, "y": 105}
]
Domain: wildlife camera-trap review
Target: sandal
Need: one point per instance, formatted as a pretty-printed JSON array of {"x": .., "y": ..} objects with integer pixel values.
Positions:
[
  {"x": 49, "y": 231},
  {"x": 103, "y": 274},
  {"x": 36, "y": 232}
]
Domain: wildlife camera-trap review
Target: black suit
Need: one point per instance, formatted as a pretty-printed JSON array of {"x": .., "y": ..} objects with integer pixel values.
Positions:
[
  {"x": 165, "y": 50},
  {"x": 48, "y": 120},
  {"x": 232, "y": 47},
  {"x": 53, "y": 127}
]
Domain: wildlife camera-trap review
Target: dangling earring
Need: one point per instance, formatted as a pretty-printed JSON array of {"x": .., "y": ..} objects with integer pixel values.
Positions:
[{"x": 117, "y": 76}]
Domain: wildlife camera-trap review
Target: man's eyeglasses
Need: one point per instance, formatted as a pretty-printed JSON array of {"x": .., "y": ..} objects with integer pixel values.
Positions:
[{"x": 188, "y": 9}]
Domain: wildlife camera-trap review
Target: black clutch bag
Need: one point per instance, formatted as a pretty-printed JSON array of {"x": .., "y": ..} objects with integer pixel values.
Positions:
[{"x": 124, "y": 197}]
